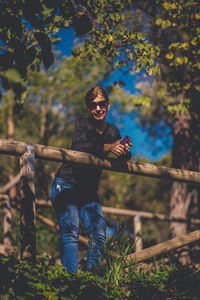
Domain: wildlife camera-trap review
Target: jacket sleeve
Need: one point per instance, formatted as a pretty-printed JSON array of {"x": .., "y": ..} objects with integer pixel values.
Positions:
[{"x": 81, "y": 140}]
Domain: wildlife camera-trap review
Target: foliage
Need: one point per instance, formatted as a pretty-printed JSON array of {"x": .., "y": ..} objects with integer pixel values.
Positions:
[
  {"x": 44, "y": 281},
  {"x": 22, "y": 280},
  {"x": 30, "y": 28},
  {"x": 180, "y": 22},
  {"x": 112, "y": 37},
  {"x": 129, "y": 35},
  {"x": 28, "y": 31},
  {"x": 162, "y": 38}
]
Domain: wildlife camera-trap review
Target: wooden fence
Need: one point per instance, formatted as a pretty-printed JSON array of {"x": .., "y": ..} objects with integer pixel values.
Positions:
[{"x": 29, "y": 152}]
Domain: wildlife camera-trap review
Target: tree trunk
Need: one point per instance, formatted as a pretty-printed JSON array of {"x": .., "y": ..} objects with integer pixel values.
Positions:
[
  {"x": 184, "y": 198},
  {"x": 11, "y": 135},
  {"x": 13, "y": 190}
]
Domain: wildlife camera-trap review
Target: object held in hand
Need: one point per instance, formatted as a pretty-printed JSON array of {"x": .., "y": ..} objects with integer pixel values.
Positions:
[{"x": 126, "y": 140}]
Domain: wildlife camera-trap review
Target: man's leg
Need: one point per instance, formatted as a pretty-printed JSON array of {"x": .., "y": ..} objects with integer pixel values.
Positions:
[
  {"x": 69, "y": 228},
  {"x": 95, "y": 225}
]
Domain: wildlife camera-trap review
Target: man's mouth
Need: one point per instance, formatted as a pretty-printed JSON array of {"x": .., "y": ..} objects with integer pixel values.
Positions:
[{"x": 99, "y": 115}]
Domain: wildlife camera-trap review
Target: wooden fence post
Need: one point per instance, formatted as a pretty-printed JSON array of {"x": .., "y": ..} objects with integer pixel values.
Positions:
[
  {"x": 138, "y": 232},
  {"x": 28, "y": 211},
  {"x": 7, "y": 246}
]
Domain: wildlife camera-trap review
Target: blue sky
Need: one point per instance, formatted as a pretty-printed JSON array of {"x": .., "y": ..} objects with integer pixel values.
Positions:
[{"x": 143, "y": 145}]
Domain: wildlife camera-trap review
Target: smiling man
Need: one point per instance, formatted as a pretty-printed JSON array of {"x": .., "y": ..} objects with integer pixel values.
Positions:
[{"x": 74, "y": 189}]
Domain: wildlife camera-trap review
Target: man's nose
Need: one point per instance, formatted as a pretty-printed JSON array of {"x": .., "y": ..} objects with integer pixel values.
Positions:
[{"x": 98, "y": 107}]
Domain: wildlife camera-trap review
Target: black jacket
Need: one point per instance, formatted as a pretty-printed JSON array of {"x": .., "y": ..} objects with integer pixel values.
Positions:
[{"x": 87, "y": 139}]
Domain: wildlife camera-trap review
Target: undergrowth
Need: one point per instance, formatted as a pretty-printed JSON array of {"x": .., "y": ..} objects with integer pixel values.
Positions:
[{"x": 114, "y": 279}]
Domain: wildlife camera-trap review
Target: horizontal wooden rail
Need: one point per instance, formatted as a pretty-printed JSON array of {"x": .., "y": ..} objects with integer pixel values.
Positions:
[
  {"x": 112, "y": 164},
  {"x": 147, "y": 215},
  {"x": 133, "y": 213},
  {"x": 128, "y": 213},
  {"x": 10, "y": 184},
  {"x": 164, "y": 247}
]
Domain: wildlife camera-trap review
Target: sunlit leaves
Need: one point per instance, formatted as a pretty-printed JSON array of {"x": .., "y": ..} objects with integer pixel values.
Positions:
[
  {"x": 111, "y": 38},
  {"x": 182, "y": 40},
  {"x": 197, "y": 16},
  {"x": 13, "y": 75},
  {"x": 182, "y": 106},
  {"x": 169, "y": 55},
  {"x": 163, "y": 23},
  {"x": 142, "y": 101},
  {"x": 166, "y": 5}
]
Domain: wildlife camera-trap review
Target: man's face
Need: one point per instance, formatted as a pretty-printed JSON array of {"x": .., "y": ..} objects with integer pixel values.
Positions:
[{"x": 98, "y": 108}]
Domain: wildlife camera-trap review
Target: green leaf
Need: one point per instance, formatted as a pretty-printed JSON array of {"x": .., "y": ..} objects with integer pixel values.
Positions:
[
  {"x": 165, "y": 24},
  {"x": 66, "y": 23},
  {"x": 101, "y": 45},
  {"x": 166, "y": 5},
  {"x": 159, "y": 21},
  {"x": 46, "y": 11},
  {"x": 13, "y": 75},
  {"x": 169, "y": 55}
]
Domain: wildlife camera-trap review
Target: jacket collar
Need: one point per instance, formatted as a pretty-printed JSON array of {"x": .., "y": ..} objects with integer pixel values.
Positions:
[{"x": 91, "y": 126}]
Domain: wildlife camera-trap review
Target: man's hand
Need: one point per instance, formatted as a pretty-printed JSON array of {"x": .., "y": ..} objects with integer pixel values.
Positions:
[
  {"x": 117, "y": 148},
  {"x": 127, "y": 147}
]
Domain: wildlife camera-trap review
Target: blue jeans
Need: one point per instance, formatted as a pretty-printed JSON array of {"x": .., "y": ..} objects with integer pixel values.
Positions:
[{"x": 68, "y": 219}]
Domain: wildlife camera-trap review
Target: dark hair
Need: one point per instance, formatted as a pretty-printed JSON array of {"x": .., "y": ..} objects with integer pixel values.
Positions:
[{"x": 94, "y": 92}]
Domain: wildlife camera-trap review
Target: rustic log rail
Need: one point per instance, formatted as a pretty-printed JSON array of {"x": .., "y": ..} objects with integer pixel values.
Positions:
[
  {"x": 10, "y": 184},
  {"x": 128, "y": 212},
  {"x": 28, "y": 153},
  {"x": 147, "y": 215},
  {"x": 164, "y": 247},
  {"x": 112, "y": 164}
]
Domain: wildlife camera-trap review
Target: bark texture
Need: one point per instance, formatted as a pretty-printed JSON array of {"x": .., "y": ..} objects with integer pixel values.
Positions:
[{"x": 185, "y": 198}]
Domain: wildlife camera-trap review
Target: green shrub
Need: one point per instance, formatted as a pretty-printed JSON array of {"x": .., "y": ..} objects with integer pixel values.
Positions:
[{"x": 114, "y": 279}]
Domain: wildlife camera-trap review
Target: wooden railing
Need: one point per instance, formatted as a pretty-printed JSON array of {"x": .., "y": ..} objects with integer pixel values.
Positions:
[
  {"x": 112, "y": 164},
  {"x": 28, "y": 153}
]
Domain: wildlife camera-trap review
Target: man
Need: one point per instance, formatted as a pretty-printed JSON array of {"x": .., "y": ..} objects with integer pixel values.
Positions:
[{"x": 74, "y": 189}]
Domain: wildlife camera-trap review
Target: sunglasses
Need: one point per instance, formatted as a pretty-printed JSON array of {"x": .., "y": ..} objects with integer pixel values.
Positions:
[{"x": 101, "y": 104}]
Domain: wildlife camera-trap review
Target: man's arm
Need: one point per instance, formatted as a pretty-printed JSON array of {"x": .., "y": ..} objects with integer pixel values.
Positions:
[{"x": 121, "y": 151}]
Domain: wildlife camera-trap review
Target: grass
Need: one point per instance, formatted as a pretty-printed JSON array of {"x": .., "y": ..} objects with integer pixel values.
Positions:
[{"x": 112, "y": 280}]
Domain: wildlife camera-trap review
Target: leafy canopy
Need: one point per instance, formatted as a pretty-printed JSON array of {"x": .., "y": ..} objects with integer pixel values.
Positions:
[
  {"x": 29, "y": 29},
  {"x": 130, "y": 35},
  {"x": 161, "y": 36}
]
